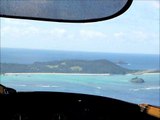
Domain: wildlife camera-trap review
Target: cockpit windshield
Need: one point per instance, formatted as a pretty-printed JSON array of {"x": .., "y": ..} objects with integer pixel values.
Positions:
[{"x": 118, "y": 58}]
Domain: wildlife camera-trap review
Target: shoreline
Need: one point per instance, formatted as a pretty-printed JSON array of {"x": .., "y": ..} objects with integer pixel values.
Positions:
[
  {"x": 84, "y": 74},
  {"x": 150, "y": 73}
]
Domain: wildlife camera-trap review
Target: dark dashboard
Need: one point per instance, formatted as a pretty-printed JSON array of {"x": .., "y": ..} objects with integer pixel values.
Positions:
[{"x": 66, "y": 106}]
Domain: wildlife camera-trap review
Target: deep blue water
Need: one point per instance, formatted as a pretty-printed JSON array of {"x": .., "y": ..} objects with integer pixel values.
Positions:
[{"x": 26, "y": 56}]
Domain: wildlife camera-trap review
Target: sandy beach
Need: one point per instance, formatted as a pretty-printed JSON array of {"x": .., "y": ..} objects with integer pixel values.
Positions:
[
  {"x": 56, "y": 74},
  {"x": 84, "y": 74}
]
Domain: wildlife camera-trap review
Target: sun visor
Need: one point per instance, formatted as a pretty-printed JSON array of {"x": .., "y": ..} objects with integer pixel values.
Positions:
[{"x": 64, "y": 10}]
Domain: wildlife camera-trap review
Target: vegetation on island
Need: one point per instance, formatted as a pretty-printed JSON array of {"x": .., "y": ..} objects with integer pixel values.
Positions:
[{"x": 66, "y": 66}]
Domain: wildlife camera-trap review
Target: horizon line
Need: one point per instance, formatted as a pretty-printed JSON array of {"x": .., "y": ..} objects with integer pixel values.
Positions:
[{"x": 80, "y": 51}]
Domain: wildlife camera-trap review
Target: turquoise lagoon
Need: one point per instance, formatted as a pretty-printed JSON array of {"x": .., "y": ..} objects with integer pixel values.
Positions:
[{"x": 114, "y": 86}]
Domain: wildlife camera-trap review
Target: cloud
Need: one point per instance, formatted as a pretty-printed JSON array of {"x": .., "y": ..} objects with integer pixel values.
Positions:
[
  {"x": 119, "y": 34},
  {"x": 57, "y": 32},
  {"x": 137, "y": 35},
  {"x": 155, "y": 4},
  {"x": 140, "y": 35},
  {"x": 89, "y": 34},
  {"x": 14, "y": 32}
]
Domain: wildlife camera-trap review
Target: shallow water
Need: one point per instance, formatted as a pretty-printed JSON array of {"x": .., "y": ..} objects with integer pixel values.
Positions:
[{"x": 115, "y": 86}]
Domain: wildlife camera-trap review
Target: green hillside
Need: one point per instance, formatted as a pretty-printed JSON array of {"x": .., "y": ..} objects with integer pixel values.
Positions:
[{"x": 66, "y": 66}]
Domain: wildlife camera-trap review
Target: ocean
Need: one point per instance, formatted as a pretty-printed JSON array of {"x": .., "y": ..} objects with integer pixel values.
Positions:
[
  {"x": 114, "y": 86},
  {"x": 28, "y": 56}
]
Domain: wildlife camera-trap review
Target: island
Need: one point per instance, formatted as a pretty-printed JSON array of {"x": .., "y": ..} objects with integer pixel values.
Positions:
[{"x": 102, "y": 66}]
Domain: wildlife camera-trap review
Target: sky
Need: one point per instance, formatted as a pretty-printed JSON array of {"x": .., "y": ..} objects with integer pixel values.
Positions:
[{"x": 135, "y": 31}]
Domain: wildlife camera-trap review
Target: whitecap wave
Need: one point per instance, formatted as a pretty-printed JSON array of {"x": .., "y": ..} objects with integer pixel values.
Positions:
[
  {"x": 47, "y": 86},
  {"x": 21, "y": 85},
  {"x": 99, "y": 87},
  {"x": 147, "y": 88},
  {"x": 54, "y": 86}
]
